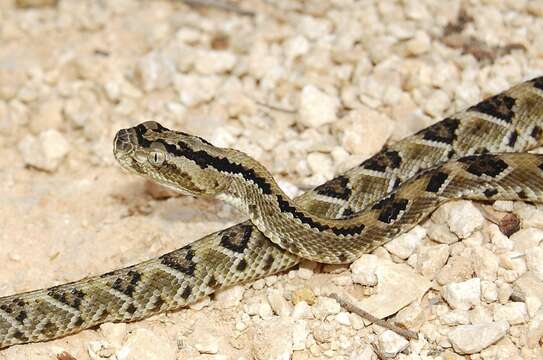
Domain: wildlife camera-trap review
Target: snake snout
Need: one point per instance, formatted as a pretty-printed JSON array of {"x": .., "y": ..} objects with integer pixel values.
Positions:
[{"x": 122, "y": 141}]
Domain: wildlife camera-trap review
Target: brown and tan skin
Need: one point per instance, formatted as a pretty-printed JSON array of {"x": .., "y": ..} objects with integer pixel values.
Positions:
[{"x": 460, "y": 157}]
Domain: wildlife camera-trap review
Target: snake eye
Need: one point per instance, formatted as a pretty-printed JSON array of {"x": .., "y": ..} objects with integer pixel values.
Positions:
[{"x": 156, "y": 157}]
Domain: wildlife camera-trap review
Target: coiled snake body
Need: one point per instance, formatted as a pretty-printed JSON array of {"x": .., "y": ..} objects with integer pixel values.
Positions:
[{"x": 475, "y": 154}]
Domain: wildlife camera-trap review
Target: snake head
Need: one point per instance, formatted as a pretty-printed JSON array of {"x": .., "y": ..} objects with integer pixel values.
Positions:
[{"x": 174, "y": 159}]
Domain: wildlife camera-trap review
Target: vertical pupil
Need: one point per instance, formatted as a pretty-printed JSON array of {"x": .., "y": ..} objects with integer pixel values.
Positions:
[{"x": 156, "y": 157}]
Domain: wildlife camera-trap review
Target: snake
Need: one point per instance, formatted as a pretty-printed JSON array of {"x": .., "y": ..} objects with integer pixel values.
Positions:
[{"x": 480, "y": 153}]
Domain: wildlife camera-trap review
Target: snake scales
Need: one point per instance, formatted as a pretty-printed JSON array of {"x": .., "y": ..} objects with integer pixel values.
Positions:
[{"x": 476, "y": 154}]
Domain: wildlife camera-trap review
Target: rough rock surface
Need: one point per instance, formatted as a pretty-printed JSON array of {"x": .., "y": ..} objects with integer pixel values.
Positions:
[{"x": 309, "y": 88}]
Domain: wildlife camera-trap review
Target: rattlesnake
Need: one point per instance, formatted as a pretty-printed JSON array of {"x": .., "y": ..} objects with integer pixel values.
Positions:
[{"x": 476, "y": 154}]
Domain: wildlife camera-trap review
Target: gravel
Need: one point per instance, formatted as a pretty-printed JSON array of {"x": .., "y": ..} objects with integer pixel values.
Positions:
[{"x": 309, "y": 89}]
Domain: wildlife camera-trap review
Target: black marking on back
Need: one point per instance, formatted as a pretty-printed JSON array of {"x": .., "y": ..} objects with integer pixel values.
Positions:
[
  {"x": 383, "y": 160},
  {"x": 131, "y": 308},
  {"x": 71, "y": 297},
  {"x": 536, "y": 132},
  {"x": 285, "y": 207},
  {"x": 436, "y": 181},
  {"x": 499, "y": 106},
  {"x": 204, "y": 160},
  {"x": 235, "y": 240},
  {"x": 180, "y": 260},
  {"x": 19, "y": 335},
  {"x": 390, "y": 208},
  {"x": 490, "y": 192},
  {"x": 242, "y": 265},
  {"x": 127, "y": 284},
  {"x": 486, "y": 164},
  {"x": 513, "y": 137},
  {"x": 22, "y": 316},
  {"x": 443, "y": 131},
  {"x": 336, "y": 188},
  {"x": 348, "y": 212},
  {"x": 186, "y": 292},
  {"x": 268, "y": 262},
  {"x": 522, "y": 194},
  {"x": 538, "y": 83}
]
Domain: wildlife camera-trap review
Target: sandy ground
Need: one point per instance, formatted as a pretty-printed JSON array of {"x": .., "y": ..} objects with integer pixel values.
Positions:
[{"x": 308, "y": 88}]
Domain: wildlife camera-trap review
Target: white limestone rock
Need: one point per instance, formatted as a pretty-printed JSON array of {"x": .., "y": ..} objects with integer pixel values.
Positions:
[
  {"x": 463, "y": 295},
  {"x": 145, "y": 344},
  {"x": 316, "y": 107},
  {"x": 471, "y": 339},
  {"x": 430, "y": 259},
  {"x": 514, "y": 313},
  {"x": 404, "y": 245},
  {"x": 462, "y": 217},
  {"x": 391, "y": 343},
  {"x": 229, "y": 297},
  {"x": 46, "y": 151},
  {"x": 324, "y": 307}
]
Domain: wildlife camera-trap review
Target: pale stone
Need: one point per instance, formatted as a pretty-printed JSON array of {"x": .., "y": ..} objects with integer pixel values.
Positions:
[
  {"x": 229, "y": 297},
  {"x": 457, "y": 269},
  {"x": 324, "y": 307},
  {"x": 365, "y": 131},
  {"x": 480, "y": 315},
  {"x": 145, "y": 344},
  {"x": 209, "y": 62},
  {"x": 278, "y": 303},
  {"x": 302, "y": 311},
  {"x": 155, "y": 71},
  {"x": 503, "y": 205},
  {"x": 534, "y": 261},
  {"x": 195, "y": 90},
  {"x": 404, "y": 245},
  {"x": 440, "y": 233},
  {"x": 463, "y": 295},
  {"x": 300, "y": 332},
  {"x": 462, "y": 217},
  {"x": 529, "y": 285},
  {"x": 485, "y": 263},
  {"x": 272, "y": 340},
  {"x": 431, "y": 259},
  {"x": 397, "y": 286},
  {"x": 533, "y": 304},
  {"x": 343, "y": 318},
  {"x": 45, "y": 152},
  {"x": 303, "y": 294},
  {"x": 514, "y": 313},
  {"x": 489, "y": 291},
  {"x": 206, "y": 343},
  {"x": 455, "y": 317},
  {"x": 48, "y": 115},
  {"x": 316, "y": 107},
  {"x": 504, "y": 291},
  {"x": 411, "y": 317},
  {"x": 535, "y": 329},
  {"x": 419, "y": 44},
  {"x": 471, "y": 339},
  {"x": 320, "y": 164},
  {"x": 391, "y": 343},
  {"x": 363, "y": 270},
  {"x": 114, "y": 333},
  {"x": 525, "y": 239}
]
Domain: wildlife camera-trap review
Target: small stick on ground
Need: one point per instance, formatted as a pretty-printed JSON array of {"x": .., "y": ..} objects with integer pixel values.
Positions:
[
  {"x": 378, "y": 352},
  {"x": 223, "y": 5},
  {"x": 349, "y": 306},
  {"x": 276, "y": 108}
]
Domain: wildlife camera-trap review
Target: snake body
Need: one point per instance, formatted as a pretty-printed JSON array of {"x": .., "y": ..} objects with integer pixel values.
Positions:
[{"x": 479, "y": 153}]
